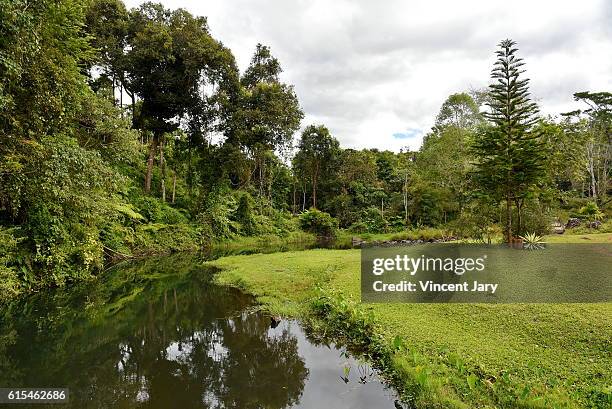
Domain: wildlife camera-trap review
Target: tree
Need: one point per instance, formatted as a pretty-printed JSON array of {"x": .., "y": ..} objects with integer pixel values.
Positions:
[
  {"x": 459, "y": 110},
  {"x": 264, "y": 67},
  {"x": 269, "y": 112},
  {"x": 107, "y": 22},
  {"x": 599, "y": 141},
  {"x": 317, "y": 149},
  {"x": 509, "y": 158},
  {"x": 42, "y": 49},
  {"x": 169, "y": 60}
]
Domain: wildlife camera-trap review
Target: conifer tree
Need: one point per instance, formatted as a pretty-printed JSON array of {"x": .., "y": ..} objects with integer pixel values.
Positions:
[{"x": 508, "y": 151}]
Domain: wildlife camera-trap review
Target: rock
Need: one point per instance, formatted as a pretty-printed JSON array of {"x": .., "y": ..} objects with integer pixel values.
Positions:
[
  {"x": 356, "y": 241},
  {"x": 595, "y": 224},
  {"x": 573, "y": 222},
  {"x": 557, "y": 227}
]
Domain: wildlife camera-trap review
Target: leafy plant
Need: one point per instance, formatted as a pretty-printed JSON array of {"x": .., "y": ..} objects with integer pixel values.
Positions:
[
  {"x": 319, "y": 223},
  {"x": 532, "y": 241},
  {"x": 591, "y": 212}
]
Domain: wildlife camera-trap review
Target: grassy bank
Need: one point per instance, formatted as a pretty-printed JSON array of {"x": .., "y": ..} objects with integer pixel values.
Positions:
[{"x": 461, "y": 355}]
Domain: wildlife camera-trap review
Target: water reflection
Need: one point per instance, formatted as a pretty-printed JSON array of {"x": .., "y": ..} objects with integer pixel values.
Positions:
[{"x": 158, "y": 334}]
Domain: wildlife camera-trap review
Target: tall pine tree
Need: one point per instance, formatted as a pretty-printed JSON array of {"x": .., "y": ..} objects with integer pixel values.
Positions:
[{"x": 509, "y": 155}]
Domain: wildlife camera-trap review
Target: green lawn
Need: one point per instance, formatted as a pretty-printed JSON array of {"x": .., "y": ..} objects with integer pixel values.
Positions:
[
  {"x": 580, "y": 238},
  {"x": 553, "y": 355}
]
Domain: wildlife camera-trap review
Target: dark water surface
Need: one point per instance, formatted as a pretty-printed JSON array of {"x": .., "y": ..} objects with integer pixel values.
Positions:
[{"x": 159, "y": 334}]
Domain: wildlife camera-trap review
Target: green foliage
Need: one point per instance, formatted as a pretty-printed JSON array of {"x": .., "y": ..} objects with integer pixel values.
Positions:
[
  {"x": 70, "y": 195},
  {"x": 460, "y": 111},
  {"x": 150, "y": 209},
  {"x": 424, "y": 234},
  {"x": 9, "y": 281},
  {"x": 509, "y": 153},
  {"x": 319, "y": 223},
  {"x": 591, "y": 212},
  {"x": 532, "y": 241},
  {"x": 245, "y": 214},
  {"x": 371, "y": 221},
  {"x": 317, "y": 152},
  {"x": 215, "y": 220}
]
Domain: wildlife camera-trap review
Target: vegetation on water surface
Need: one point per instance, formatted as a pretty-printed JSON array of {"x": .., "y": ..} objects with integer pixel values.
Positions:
[{"x": 443, "y": 355}]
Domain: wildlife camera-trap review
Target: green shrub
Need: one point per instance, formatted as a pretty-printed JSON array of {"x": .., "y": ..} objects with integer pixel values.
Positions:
[
  {"x": 170, "y": 215},
  {"x": 371, "y": 221},
  {"x": 425, "y": 234},
  {"x": 245, "y": 215},
  {"x": 150, "y": 208},
  {"x": 118, "y": 238},
  {"x": 374, "y": 221},
  {"x": 536, "y": 218},
  {"x": 215, "y": 220},
  {"x": 591, "y": 212},
  {"x": 319, "y": 223},
  {"x": 9, "y": 280}
]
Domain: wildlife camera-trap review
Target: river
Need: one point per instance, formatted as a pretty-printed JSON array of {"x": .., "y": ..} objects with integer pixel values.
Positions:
[{"x": 159, "y": 333}]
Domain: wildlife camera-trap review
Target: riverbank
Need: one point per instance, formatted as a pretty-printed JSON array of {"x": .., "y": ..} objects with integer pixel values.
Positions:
[
  {"x": 146, "y": 241},
  {"x": 461, "y": 355}
]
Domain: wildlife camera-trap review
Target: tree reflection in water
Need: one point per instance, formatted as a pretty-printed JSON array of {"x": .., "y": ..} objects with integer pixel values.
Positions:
[{"x": 156, "y": 334}]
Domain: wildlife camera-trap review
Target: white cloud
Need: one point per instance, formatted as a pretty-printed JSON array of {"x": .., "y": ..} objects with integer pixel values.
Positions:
[{"x": 369, "y": 70}]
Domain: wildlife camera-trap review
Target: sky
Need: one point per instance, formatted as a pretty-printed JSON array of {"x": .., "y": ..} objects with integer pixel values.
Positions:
[{"x": 376, "y": 72}]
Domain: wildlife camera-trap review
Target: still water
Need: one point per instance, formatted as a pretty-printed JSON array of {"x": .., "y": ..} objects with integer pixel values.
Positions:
[{"x": 159, "y": 334}]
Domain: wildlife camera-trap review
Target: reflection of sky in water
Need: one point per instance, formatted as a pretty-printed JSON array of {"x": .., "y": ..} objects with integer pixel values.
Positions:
[
  {"x": 324, "y": 387},
  {"x": 181, "y": 342},
  {"x": 180, "y": 351}
]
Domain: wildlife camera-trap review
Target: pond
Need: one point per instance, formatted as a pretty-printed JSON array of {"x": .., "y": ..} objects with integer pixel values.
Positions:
[{"x": 160, "y": 334}]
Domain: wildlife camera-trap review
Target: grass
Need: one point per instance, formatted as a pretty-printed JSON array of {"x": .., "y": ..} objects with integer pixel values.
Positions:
[
  {"x": 461, "y": 355},
  {"x": 579, "y": 238}
]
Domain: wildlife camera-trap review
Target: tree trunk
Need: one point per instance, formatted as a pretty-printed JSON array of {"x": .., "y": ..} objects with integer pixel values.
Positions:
[
  {"x": 314, "y": 191},
  {"x": 150, "y": 160},
  {"x": 406, "y": 198},
  {"x": 294, "y": 207},
  {"x": 519, "y": 216},
  {"x": 591, "y": 164},
  {"x": 133, "y": 104},
  {"x": 173, "y": 185},
  {"x": 508, "y": 219},
  {"x": 162, "y": 165}
]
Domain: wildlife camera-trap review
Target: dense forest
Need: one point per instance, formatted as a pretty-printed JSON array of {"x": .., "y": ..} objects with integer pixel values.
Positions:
[{"x": 127, "y": 132}]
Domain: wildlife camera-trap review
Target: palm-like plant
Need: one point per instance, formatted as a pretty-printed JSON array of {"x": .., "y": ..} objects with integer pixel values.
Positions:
[{"x": 532, "y": 241}]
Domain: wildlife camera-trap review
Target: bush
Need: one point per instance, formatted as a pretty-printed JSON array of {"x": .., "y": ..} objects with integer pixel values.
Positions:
[
  {"x": 591, "y": 212},
  {"x": 245, "y": 215},
  {"x": 150, "y": 208},
  {"x": 319, "y": 223},
  {"x": 215, "y": 221},
  {"x": 425, "y": 234},
  {"x": 170, "y": 215},
  {"x": 536, "y": 219},
  {"x": 372, "y": 221},
  {"x": 9, "y": 282}
]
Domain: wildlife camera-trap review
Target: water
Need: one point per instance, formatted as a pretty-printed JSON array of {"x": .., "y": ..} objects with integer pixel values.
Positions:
[{"x": 159, "y": 334}]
